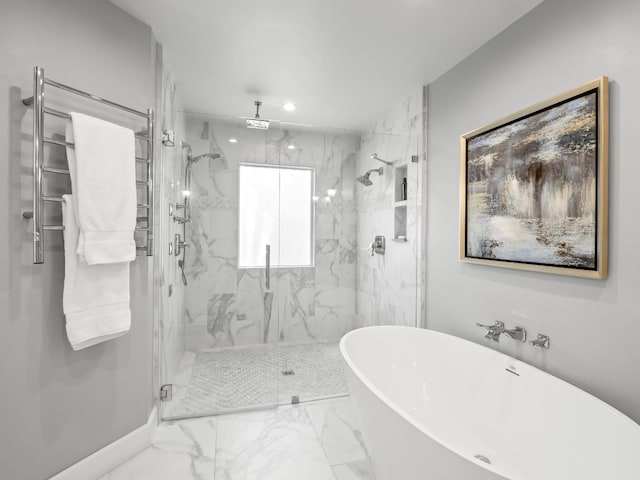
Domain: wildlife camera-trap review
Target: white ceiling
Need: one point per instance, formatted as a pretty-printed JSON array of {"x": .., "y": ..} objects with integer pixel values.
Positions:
[{"x": 342, "y": 62}]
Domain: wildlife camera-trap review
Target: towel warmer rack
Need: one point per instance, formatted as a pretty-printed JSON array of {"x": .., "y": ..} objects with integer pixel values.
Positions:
[{"x": 39, "y": 110}]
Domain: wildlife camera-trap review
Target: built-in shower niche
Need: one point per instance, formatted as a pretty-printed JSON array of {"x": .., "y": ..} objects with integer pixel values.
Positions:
[{"x": 400, "y": 204}]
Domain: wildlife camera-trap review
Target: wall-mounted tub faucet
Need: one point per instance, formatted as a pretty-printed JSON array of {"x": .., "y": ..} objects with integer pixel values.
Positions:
[{"x": 494, "y": 331}]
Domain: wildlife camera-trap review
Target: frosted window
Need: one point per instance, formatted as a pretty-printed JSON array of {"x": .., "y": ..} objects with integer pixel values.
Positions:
[{"x": 276, "y": 208}]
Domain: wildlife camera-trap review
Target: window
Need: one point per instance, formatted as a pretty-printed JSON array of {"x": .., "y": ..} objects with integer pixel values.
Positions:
[{"x": 275, "y": 208}]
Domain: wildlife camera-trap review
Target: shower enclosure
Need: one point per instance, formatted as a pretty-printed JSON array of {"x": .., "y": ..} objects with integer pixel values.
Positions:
[{"x": 278, "y": 263}]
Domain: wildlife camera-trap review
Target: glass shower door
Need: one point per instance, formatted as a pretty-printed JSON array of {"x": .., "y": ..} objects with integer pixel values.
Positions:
[{"x": 230, "y": 317}]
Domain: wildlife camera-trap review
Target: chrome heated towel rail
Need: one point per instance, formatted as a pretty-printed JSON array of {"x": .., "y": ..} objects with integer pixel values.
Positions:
[{"x": 39, "y": 140}]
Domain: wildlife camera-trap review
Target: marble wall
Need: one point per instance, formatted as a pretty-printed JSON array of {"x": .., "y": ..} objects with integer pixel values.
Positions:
[
  {"x": 169, "y": 290},
  {"x": 226, "y": 305},
  {"x": 389, "y": 286}
]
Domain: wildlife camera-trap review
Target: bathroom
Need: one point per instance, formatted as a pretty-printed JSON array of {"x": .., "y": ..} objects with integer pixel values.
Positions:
[{"x": 66, "y": 408}]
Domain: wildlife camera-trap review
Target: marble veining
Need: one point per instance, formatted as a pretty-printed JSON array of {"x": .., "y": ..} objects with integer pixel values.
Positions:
[
  {"x": 184, "y": 450},
  {"x": 359, "y": 470},
  {"x": 288, "y": 443},
  {"x": 389, "y": 287},
  {"x": 272, "y": 445},
  {"x": 336, "y": 425},
  {"x": 227, "y": 305}
]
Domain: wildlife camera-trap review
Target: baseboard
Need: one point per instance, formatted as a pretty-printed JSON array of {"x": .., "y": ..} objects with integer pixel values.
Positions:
[{"x": 106, "y": 459}]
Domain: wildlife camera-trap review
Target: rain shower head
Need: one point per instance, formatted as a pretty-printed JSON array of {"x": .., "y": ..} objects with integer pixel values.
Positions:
[
  {"x": 376, "y": 157},
  {"x": 257, "y": 122},
  {"x": 365, "y": 180}
]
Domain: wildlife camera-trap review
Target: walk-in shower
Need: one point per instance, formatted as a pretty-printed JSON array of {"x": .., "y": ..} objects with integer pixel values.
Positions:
[
  {"x": 365, "y": 180},
  {"x": 257, "y": 333}
]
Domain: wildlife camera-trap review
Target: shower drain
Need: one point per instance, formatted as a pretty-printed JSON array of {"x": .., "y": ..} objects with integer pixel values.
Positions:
[{"x": 482, "y": 458}]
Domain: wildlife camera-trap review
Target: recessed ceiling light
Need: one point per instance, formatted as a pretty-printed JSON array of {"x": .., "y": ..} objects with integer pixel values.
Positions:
[
  {"x": 289, "y": 107},
  {"x": 291, "y": 147},
  {"x": 233, "y": 140}
]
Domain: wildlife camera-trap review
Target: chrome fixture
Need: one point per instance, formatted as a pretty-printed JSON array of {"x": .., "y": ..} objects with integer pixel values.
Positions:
[
  {"x": 541, "y": 342},
  {"x": 267, "y": 270},
  {"x": 257, "y": 122},
  {"x": 376, "y": 157},
  {"x": 364, "y": 179},
  {"x": 179, "y": 246},
  {"x": 378, "y": 246},
  {"x": 37, "y": 101},
  {"x": 168, "y": 138},
  {"x": 494, "y": 331}
]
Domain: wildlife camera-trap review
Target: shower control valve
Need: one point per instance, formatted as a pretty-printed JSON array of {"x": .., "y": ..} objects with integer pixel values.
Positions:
[
  {"x": 178, "y": 245},
  {"x": 378, "y": 245},
  {"x": 181, "y": 220}
]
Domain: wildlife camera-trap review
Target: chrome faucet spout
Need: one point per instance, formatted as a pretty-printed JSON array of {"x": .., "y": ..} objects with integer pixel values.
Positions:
[
  {"x": 494, "y": 331},
  {"x": 517, "y": 333}
]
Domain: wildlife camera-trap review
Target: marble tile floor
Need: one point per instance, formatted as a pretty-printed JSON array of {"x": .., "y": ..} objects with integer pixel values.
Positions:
[
  {"x": 314, "y": 441},
  {"x": 241, "y": 378}
]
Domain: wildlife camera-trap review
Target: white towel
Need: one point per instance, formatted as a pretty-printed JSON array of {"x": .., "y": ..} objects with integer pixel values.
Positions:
[
  {"x": 95, "y": 298},
  {"x": 103, "y": 181}
]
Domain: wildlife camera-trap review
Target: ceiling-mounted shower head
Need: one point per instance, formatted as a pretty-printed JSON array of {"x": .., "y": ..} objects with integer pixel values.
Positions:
[
  {"x": 365, "y": 180},
  {"x": 376, "y": 157},
  {"x": 256, "y": 122}
]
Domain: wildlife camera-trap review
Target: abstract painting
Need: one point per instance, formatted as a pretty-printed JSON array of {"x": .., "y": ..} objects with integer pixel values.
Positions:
[{"x": 534, "y": 187}]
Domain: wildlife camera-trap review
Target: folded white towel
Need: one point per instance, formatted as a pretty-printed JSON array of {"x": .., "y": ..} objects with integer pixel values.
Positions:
[
  {"x": 103, "y": 181},
  {"x": 95, "y": 298}
]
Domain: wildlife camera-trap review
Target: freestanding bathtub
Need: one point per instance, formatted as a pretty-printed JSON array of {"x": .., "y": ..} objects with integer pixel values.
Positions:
[{"x": 436, "y": 407}]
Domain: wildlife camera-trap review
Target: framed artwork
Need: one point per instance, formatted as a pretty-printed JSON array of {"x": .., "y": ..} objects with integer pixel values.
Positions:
[{"x": 533, "y": 187}]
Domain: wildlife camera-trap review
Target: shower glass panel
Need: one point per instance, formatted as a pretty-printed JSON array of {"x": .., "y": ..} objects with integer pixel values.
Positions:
[
  {"x": 231, "y": 320},
  {"x": 260, "y": 334}
]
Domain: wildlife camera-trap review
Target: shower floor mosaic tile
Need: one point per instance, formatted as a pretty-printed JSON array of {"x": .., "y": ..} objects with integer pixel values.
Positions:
[
  {"x": 315, "y": 441},
  {"x": 231, "y": 379}
]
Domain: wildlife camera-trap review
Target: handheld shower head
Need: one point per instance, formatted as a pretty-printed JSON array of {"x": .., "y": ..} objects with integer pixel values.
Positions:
[
  {"x": 192, "y": 160},
  {"x": 365, "y": 180},
  {"x": 212, "y": 156}
]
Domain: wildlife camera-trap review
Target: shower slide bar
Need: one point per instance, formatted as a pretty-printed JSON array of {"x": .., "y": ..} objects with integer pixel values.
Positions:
[{"x": 39, "y": 110}]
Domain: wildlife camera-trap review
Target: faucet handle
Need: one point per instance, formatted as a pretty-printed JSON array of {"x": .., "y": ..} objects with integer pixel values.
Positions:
[
  {"x": 542, "y": 341},
  {"x": 493, "y": 331},
  {"x": 497, "y": 324}
]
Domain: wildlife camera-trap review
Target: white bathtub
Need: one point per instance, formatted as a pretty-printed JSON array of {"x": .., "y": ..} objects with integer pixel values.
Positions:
[{"x": 430, "y": 403}]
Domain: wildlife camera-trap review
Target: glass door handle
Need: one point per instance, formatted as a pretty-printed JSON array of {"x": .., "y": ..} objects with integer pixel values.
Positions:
[{"x": 268, "y": 267}]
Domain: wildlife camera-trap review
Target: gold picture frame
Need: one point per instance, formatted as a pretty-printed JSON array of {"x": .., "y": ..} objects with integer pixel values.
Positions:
[{"x": 534, "y": 187}]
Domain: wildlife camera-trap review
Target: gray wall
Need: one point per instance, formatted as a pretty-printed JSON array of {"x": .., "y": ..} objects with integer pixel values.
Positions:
[
  {"x": 594, "y": 325},
  {"x": 56, "y": 405}
]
